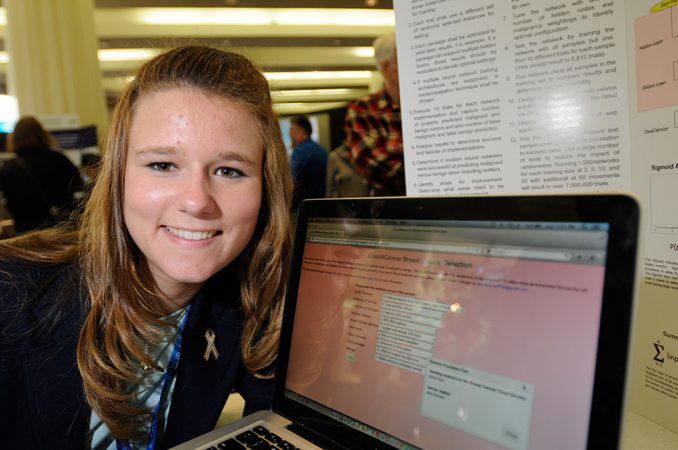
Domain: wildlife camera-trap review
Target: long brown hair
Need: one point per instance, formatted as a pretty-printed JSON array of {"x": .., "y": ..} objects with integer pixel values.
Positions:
[
  {"x": 125, "y": 304},
  {"x": 28, "y": 132}
]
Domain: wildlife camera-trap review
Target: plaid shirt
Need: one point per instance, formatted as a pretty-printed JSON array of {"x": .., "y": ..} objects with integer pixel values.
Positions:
[{"x": 374, "y": 133}]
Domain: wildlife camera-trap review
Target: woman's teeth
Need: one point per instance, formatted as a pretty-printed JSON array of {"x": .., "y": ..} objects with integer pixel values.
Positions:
[{"x": 191, "y": 235}]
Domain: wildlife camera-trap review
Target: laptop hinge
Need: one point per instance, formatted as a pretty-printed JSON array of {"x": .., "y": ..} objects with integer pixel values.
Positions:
[{"x": 315, "y": 437}]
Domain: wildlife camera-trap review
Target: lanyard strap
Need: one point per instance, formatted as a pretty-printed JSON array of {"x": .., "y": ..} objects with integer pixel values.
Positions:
[{"x": 167, "y": 381}]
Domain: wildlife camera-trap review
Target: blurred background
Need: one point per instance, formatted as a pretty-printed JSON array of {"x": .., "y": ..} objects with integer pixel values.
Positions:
[{"x": 317, "y": 55}]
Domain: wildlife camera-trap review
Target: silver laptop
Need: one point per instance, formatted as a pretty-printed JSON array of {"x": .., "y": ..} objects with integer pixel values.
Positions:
[{"x": 437, "y": 323}]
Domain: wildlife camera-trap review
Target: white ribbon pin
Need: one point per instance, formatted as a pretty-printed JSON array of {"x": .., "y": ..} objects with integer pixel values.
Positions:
[{"x": 211, "y": 349}]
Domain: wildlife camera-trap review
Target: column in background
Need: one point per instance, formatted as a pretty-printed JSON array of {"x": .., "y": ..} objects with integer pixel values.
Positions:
[{"x": 53, "y": 66}]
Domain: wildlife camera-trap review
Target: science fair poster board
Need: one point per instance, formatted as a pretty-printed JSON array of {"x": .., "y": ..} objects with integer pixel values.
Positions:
[{"x": 536, "y": 96}]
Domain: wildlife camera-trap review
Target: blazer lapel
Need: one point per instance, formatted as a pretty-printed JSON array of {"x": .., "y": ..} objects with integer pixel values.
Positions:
[{"x": 202, "y": 386}]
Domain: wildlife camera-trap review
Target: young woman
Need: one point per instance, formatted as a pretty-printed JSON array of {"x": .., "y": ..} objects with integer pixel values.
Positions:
[{"x": 131, "y": 331}]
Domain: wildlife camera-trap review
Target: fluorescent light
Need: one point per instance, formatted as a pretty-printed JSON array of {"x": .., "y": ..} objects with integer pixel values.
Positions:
[
  {"x": 306, "y": 108},
  {"x": 318, "y": 75},
  {"x": 266, "y": 16},
  {"x": 363, "y": 52},
  {"x": 132, "y": 54},
  {"x": 142, "y": 54},
  {"x": 126, "y": 54},
  {"x": 206, "y": 16},
  {"x": 312, "y": 92},
  {"x": 317, "y": 95},
  {"x": 3, "y": 16},
  {"x": 343, "y": 17}
]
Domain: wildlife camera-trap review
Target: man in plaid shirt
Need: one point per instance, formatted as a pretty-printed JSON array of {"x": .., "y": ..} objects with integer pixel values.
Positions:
[{"x": 374, "y": 129}]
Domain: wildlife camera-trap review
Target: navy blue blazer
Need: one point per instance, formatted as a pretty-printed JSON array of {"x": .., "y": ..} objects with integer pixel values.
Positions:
[{"x": 42, "y": 401}]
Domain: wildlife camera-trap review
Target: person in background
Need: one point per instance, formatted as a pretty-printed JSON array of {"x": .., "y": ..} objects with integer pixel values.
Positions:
[
  {"x": 342, "y": 178},
  {"x": 132, "y": 330},
  {"x": 308, "y": 162},
  {"x": 39, "y": 183},
  {"x": 374, "y": 129}
]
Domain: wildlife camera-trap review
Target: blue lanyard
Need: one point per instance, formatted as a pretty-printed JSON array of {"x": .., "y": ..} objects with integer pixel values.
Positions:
[{"x": 166, "y": 382}]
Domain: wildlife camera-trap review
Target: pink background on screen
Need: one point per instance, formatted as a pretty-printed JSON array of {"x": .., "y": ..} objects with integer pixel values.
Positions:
[{"x": 546, "y": 337}]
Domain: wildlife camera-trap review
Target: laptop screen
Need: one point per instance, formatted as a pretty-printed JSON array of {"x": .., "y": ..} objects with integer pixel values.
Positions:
[{"x": 421, "y": 333}]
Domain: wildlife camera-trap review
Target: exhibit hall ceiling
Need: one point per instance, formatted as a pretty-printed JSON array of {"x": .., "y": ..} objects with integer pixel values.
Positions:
[{"x": 316, "y": 54}]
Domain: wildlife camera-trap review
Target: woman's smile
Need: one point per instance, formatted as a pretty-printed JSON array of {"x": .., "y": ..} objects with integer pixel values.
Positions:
[{"x": 192, "y": 235}]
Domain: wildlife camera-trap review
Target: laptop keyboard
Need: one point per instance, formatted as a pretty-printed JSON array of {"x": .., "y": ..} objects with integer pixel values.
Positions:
[{"x": 258, "y": 438}]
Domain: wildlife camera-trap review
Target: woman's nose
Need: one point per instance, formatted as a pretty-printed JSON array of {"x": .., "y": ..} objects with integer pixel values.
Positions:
[{"x": 196, "y": 197}]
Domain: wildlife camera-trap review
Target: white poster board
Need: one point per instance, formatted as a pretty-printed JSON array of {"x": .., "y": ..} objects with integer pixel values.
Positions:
[
  {"x": 511, "y": 97},
  {"x": 653, "y": 76},
  {"x": 528, "y": 96}
]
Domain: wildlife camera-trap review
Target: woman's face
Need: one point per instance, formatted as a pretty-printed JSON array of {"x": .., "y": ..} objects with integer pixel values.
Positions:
[{"x": 193, "y": 186}]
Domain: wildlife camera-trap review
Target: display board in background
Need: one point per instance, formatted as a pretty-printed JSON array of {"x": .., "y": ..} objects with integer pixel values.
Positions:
[
  {"x": 653, "y": 83},
  {"x": 543, "y": 96},
  {"x": 513, "y": 97},
  {"x": 77, "y": 138}
]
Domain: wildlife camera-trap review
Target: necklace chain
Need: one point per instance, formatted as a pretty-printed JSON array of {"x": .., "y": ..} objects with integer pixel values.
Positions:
[{"x": 149, "y": 369}]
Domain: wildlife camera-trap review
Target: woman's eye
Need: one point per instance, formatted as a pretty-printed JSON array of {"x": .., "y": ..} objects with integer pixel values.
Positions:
[
  {"x": 162, "y": 166},
  {"x": 229, "y": 172}
]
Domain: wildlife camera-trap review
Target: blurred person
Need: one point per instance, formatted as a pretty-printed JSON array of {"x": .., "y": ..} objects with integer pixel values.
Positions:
[
  {"x": 308, "y": 162},
  {"x": 132, "y": 330},
  {"x": 374, "y": 129},
  {"x": 39, "y": 183},
  {"x": 342, "y": 178}
]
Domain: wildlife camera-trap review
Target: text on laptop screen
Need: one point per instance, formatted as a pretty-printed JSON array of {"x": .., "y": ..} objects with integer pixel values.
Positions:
[{"x": 427, "y": 333}]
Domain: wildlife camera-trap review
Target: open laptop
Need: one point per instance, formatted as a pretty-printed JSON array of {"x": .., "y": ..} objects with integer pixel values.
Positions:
[{"x": 464, "y": 322}]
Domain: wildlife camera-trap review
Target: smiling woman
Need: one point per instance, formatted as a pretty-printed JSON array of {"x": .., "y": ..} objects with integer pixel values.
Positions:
[
  {"x": 192, "y": 186},
  {"x": 136, "y": 326}
]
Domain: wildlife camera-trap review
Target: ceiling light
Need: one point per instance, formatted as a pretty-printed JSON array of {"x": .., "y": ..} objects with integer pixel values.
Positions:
[
  {"x": 126, "y": 54},
  {"x": 317, "y": 95},
  {"x": 131, "y": 54},
  {"x": 341, "y": 17},
  {"x": 312, "y": 92},
  {"x": 206, "y": 16},
  {"x": 265, "y": 16},
  {"x": 306, "y": 108},
  {"x": 318, "y": 75},
  {"x": 363, "y": 52}
]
